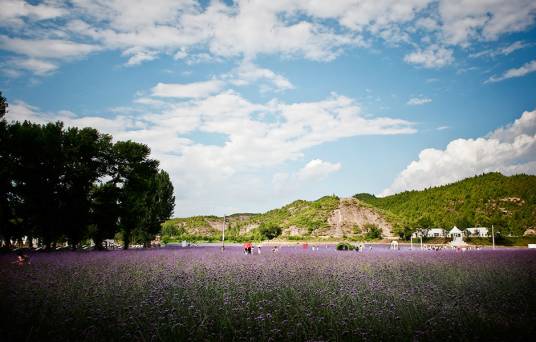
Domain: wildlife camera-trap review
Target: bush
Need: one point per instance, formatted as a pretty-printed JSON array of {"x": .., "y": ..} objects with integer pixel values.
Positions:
[
  {"x": 345, "y": 246},
  {"x": 373, "y": 232},
  {"x": 269, "y": 230}
]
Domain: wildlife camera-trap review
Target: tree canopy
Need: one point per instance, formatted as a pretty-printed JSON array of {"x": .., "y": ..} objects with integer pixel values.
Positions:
[{"x": 70, "y": 184}]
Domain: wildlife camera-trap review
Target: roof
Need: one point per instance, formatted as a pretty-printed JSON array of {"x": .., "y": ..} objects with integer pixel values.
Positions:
[{"x": 455, "y": 230}]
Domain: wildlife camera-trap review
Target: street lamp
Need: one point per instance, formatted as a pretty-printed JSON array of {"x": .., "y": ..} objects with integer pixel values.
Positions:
[{"x": 223, "y": 235}]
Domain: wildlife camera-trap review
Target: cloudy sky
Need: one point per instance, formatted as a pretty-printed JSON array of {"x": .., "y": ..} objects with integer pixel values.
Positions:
[{"x": 252, "y": 104}]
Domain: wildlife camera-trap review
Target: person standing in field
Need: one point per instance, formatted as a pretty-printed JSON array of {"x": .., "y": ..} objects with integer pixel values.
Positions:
[{"x": 22, "y": 259}]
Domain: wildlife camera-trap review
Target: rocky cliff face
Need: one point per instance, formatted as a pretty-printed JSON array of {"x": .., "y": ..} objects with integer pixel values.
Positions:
[{"x": 351, "y": 218}]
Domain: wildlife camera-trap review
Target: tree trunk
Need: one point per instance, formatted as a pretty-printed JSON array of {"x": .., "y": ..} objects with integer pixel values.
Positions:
[
  {"x": 98, "y": 243},
  {"x": 126, "y": 239}
]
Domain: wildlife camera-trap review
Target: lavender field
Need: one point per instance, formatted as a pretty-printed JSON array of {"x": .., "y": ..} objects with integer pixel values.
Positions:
[{"x": 204, "y": 294}]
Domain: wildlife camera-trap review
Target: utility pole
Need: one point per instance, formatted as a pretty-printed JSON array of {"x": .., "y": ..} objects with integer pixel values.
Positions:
[
  {"x": 493, "y": 236},
  {"x": 223, "y": 235}
]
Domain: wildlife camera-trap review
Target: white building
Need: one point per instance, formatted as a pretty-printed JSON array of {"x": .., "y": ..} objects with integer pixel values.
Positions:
[
  {"x": 435, "y": 232},
  {"x": 455, "y": 232},
  {"x": 477, "y": 232}
]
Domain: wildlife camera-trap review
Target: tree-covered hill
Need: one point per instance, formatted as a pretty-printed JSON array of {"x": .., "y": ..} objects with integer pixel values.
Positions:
[
  {"x": 306, "y": 215},
  {"x": 326, "y": 217},
  {"x": 508, "y": 203}
]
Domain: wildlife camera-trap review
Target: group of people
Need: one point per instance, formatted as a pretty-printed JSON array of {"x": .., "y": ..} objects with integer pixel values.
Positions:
[{"x": 248, "y": 249}]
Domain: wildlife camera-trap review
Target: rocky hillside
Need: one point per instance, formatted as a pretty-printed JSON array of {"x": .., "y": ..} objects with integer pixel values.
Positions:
[
  {"x": 325, "y": 218},
  {"x": 509, "y": 203}
]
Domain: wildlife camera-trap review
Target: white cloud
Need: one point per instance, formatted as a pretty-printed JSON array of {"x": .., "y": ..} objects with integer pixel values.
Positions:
[
  {"x": 37, "y": 66},
  {"x": 248, "y": 73},
  {"x": 286, "y": 184},
  {"x": 503, "y": 51},
  {"x": 310, "y": 29},
  {"x": 433, "y": 56},
  {"x": 417, "y": 101},
  {"x": 257, "y": 138},
  {"x": 523, "y": 70},
  {"x": 510, "y": 150},
  {"x": 317, "y": 169},
  {"x": 13, "y": 12},
  {"x": 46, "y": 48},
  {"x": 138, "y": 56},
  {"x": 468, "y": 20},
  {"x": 187, "y": 90}
]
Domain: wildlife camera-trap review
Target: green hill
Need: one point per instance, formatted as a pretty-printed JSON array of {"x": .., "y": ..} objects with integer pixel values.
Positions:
[
  {"x": 508, "y": 203},
  {"x": 306, "y": 215},
  {"x": 329, "y": 217}
]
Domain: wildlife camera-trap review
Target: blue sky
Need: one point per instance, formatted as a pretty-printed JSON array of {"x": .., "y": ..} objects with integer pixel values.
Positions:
[{"x": 252, "y": 104}]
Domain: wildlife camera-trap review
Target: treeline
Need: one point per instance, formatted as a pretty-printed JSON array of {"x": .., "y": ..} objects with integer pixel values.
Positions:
[
  {"x": 71, "y": 184},
  {"x": 508, "y": 203}
]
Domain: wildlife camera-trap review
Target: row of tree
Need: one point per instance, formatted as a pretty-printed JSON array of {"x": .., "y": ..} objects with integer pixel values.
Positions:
[{"x": 71, "y": 184}]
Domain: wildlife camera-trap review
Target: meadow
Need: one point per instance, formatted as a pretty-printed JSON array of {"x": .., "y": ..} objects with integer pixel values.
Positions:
[{"x": 203, "y": 294}]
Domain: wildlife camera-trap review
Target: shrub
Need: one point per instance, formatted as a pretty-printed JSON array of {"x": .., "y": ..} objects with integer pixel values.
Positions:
[
  {"x": 269, "y": 230},
  {"x": 345, "y": 246},
  {"x": 373, "y": 232}
]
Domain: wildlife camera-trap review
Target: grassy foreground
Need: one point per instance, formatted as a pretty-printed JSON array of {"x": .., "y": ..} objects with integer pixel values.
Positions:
[{"x": 295, "y": 294}]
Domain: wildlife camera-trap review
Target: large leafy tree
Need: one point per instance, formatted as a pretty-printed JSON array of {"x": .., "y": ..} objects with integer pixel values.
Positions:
[
  {"x": 104, "y": 213},
  {"x": 160, "y": 202},
  {"x": 85, "y": 152},
  {"x": 38, "y": 172},
  {"x": 6, "y": 171},
  {"x": 133, "y": 174},
  {"x": 6, "y": 211},
  {"x": 73, "y": 183}
]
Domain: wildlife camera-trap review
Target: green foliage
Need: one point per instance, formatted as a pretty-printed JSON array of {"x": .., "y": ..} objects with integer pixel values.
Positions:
[
  {"x": 345, "y": 246},
  {"x": 104, "y": 214},
  {"x": 269, "y": 230},
  {"x": 3, "y": 105},
  {"x": 303, "y": 214},
  {"x": 373, "y": 232},
  {"x": 69, "y": 183},
  {"x": 509, "y": 203}
]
